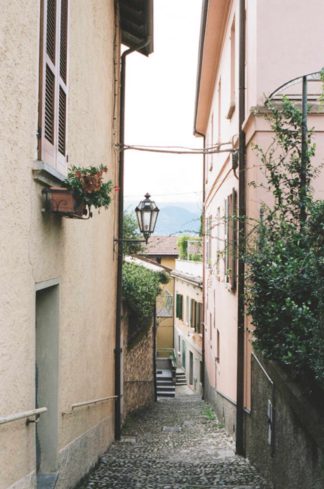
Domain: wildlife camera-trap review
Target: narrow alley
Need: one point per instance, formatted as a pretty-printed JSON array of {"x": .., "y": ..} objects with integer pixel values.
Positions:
[{"x": 176, "y": 444}]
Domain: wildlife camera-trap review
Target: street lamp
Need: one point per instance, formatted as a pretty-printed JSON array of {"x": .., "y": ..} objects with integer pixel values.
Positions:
[{"x": 147, "y": 213}]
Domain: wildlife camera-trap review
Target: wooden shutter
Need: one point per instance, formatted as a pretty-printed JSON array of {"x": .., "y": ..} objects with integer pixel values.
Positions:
[
  {"x": 234, "y": 239},
  {"x": 226, "y": 241},
  {"x": 198, "y": 317},
  {"x": 192, "y": 313},
  {"x": 231, "y": 240},
  {"x": 229, "y": 234},
  {"x": 179, "y": 306},
  {"x": 62, "y": 88},
  {"x": 54, "y": 83}
]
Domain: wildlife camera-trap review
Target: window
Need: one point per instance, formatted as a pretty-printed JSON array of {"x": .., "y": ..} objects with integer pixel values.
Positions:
[
  {"x": 53, "y": 83},
  {"x": 210, "y": 328},
  {"x": 232, "y": 74},
  {"x": 217, "y": 347},
  {"x": 218, "y": 241},
  {"x": 179, "y": 306},
  {"x": 209, "y": 241},
  {"x": 231, "y": 240},
  {"x": 187, "y": 310},
  {"x": 198, "y": 317},
  {"x": 219, "y": 123},
  {"x": 211, "y": 142}
]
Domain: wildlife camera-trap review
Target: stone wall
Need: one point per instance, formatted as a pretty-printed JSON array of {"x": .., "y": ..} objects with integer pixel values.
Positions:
[
  {"x": 225, "y": 409},
  {"x": 289, "y": 451},
  {"x": 138, "y": 373}
]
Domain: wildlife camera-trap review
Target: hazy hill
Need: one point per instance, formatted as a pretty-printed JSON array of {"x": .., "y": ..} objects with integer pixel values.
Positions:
[{"x": 175, "y": 218}]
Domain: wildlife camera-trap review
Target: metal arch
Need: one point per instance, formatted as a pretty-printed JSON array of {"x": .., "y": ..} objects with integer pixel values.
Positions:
[{"x": 315, "y": 76}]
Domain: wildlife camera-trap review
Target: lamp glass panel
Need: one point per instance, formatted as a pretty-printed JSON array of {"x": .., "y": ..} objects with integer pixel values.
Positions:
[
  {"x": 154, "y": 216},
  {"x": 146, "y": 219}
]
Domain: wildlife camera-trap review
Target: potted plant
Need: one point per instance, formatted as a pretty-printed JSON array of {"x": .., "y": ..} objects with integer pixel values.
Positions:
[{"x": 83, "y": 188}]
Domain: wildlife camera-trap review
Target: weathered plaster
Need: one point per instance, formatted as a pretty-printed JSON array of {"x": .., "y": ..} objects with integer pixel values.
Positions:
[{"x": 36, "y": 247}]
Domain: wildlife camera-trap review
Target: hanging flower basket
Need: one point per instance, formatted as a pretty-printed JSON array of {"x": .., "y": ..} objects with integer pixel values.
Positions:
[
  {"x": 64, "y": 202},
  {"x": 83, "y": 188}
]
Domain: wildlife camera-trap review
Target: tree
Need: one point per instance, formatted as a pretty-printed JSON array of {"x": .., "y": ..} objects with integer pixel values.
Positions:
[{"x": 130, "y": 229}]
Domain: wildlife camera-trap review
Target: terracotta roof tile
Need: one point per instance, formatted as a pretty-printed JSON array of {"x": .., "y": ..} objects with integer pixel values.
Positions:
[{"x": 161, "y": 245}]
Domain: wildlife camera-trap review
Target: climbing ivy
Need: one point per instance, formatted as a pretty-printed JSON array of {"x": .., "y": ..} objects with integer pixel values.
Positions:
[
  {"x": 140, "y": 290},
  {"x": 285, "y": 257}
]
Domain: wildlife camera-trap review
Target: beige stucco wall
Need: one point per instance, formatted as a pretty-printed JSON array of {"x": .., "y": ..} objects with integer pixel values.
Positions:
[
  {"x": 35, "y": 247},
  {"x": 168, "y": 262},
  {"x": 164, "y": 334}
]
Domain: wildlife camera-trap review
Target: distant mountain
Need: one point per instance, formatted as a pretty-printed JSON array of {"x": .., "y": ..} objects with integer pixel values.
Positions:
[
  {"x": 175, "y": 220},
  {"x": 174, "y": 217}
]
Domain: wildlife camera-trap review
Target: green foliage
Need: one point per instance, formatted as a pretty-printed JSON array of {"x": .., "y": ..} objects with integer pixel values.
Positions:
[
  {"x": 285, "y": 272},
  {"x": 87, "y": 183},
  {"x": 130, "y": 231},
  {"x": 209, "y": 413},
  {"x": 283, "y": 163},
  {"x": 183, "y": 245},
  {"x": 140, "y": 290}
]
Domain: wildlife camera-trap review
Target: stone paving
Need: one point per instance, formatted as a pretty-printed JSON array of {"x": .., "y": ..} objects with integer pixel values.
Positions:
[{"x": 176, "y": 444}]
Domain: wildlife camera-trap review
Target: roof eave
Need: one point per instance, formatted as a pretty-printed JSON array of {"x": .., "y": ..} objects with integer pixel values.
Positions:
[
  {"x": 136, "y": 24},
  {"x": 214, "y": 13}
]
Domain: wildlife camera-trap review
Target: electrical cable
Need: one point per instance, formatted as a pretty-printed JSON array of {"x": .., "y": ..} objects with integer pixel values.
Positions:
[{"x": 178, "y": 149}]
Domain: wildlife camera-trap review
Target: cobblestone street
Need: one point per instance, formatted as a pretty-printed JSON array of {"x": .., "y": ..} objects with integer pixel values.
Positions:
[{"x": 176, "y": 444}]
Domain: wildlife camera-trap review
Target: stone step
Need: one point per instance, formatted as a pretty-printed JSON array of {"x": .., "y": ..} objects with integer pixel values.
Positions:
[
  {"x": 181, "y": 382},
  {"x": 166, "y": 388},
  {"x": 170, "y": 384},
  {"x": 47, "y": 481},
  {"x": 165, "y": 393},
  {"x": 181, "y": 378},
  {"x": 180, "y": 374}
]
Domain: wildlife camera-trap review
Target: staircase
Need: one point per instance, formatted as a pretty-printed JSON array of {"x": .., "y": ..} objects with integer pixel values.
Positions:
[
  {"x": 180, "y": 377},
  {"x": 164, "y": 383}
]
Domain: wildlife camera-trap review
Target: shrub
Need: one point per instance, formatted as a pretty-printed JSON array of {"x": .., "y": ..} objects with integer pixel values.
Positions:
[
  {"x": 140, "y": 290},
  {"x": 285, "y": 260}
]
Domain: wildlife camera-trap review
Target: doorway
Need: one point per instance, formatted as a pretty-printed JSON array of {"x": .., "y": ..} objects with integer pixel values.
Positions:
[
  {"x": 184, "y": 354},
  {"x": 46, "y": 377},
  {"x": 191, "y": 368}
]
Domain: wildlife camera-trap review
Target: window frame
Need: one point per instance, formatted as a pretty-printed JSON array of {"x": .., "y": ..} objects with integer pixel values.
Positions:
[{"x": 53, "y": 79}]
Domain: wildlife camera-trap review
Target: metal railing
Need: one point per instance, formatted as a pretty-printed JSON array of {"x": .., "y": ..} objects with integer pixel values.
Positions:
[
  {"x": 167, "y": 353},
  {"x": 33, "y": 413},
  {"x": 88, "y": 403}
]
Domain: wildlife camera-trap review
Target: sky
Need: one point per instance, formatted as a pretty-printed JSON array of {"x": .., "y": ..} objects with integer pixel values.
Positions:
[{"x": 160, "y": 105}]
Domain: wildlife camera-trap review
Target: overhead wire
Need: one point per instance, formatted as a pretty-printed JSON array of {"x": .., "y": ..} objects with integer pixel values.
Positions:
[{"x": 217, "y": 148}]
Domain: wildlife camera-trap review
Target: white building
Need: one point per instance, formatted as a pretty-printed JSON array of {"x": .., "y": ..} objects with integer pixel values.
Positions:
[{"x": 188, "y": 329}]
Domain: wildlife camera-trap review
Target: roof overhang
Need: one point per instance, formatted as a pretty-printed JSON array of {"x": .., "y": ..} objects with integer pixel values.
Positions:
[
  {"x": 213, "y": 22},
  {"x": 136, "y": 24}
]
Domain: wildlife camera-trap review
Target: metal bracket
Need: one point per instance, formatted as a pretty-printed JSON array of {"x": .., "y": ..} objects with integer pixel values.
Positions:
[{"x": 31, "y": 420}]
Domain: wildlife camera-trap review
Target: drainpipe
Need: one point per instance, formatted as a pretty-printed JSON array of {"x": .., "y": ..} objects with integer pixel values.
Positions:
[
  {"x": 154, "y": 351},
  {"x": 204, "y": 273},
  {"x": 240, "y": 442},
  {"x": 197, "y": 133},
  {"x": 118, "y": 349}
]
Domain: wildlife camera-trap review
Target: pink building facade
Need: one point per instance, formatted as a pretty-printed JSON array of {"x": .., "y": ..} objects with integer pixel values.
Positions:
[{"x": 248, "y": 48}]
